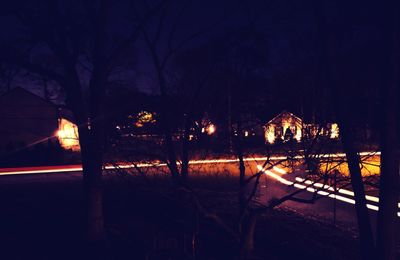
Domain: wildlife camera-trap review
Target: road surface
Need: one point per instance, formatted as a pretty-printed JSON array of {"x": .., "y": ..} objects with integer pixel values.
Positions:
[{"x": 276, "y": 183}]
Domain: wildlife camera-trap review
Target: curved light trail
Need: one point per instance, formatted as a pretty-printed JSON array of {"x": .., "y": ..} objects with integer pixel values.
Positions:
[
  {"x": 299, "y": 184},
  {"x": 324, "y": 192}
]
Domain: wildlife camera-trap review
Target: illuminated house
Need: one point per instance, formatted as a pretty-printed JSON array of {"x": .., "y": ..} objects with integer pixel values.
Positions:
[
  {"x": 67, "y": 133},
  {"x": 28, "y": 120},
  {"x": 286, "y": 126}
]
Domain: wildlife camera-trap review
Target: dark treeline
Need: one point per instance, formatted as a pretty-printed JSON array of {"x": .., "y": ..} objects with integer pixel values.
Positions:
[{"x": 234, "y": 63}]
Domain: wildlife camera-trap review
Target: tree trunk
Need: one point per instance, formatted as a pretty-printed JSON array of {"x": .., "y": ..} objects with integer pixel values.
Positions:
[
  {"x": 388, "y": 223},
  {"x": 185, "y": 151},
  {"x": 247, "y": 236},
  {"x": 353, "y": 161},
  {"x": 325, "y": 52},
  {"x": 92, "y": 133},
  {"x": 166, "y": 114},
  {"x": 389, "y": 189},
  {"x": 248, "y": 219},
  {"x": 92, "y": 183},
  {"x": 170, "y": 149},
  {"x": 242, "y": 168},
  {"x": 91, "y": 144}
]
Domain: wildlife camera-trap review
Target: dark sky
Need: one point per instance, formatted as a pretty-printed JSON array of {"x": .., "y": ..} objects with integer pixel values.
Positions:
[{"x": 289, "y": 27}]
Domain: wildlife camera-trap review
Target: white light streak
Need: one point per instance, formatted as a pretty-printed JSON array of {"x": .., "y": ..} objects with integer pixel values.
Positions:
[
  {"x": 321, "y": 192},
  {"x": 279, "y": 170},
  {"x": 78, "y": 168},
  {"x": 343, "y": 191}
]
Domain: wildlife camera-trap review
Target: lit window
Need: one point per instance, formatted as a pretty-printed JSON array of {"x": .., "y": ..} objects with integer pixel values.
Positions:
[
  {"x": 334, "y": 131},
  {"x": 68, "y": 135}
]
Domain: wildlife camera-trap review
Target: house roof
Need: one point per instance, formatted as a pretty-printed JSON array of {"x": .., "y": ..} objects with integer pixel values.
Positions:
[
  {"x": 285, "y": 113},
  {"x": 20, "y": 92},
  {"x": 23, "y": 94}
]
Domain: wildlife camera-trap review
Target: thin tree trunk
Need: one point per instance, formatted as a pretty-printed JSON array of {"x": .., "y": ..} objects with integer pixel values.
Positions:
[
  {"x": 389, "y": 189},
  {"x": 185, "y": 151},
  {"x": 353, "y": 161},
  {"x": 171, "y": 155},
  {"x": 230, "y": 132},
  {"x": 166, "y": 114},
  {"x": 247, "y": 236},
  {"x": 242, "y": 168},
  {"x": 169, "y": 145},
  {"x": 248, "y": 219},
  {"x": 325, "y": 50}
]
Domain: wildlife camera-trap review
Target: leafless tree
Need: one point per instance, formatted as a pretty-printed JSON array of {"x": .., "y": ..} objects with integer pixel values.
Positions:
[
  {"x": 387, "y": 220},
  {"x": 165, "y": 44},
  {"x": 389, "y": 195},
  {"x": 76, "y": 36}
]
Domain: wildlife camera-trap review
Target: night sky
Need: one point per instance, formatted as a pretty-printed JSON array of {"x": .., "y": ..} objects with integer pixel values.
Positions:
[{"x": 287, "y": 28}]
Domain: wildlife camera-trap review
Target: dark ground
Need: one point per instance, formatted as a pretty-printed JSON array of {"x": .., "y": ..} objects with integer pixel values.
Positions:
[{"x": 42, "y": 218}]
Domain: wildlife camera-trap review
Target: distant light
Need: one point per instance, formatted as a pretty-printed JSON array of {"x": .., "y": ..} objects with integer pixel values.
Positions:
[
  {"x": 334, "y": 131},
  {"x": 286, "y": 125},
  {"x": 246, "y": 133},
  {"x": 144, "y": 117},
  {"x": 68, "y": 134},
  {"x": 211, "y": 129},
  {"x": 298, "y": 134},
  {"x": 270, "y": 134}
]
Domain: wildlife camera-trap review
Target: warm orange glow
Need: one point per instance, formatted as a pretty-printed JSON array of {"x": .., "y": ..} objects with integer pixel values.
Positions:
[
  {"x": 287, "y": 120},
  {"x": 143, "y": 118},
  {"x": 68, "y": 135},
  {"x": 277, "y": 127},
  {"x": 286, "y": 125},
  {"x": 270, "y": 134},
  {"x": 298, "y": 134},
  {"x": 334, "y": 131},
  {"x": 275, "y": 172},
  {"x": 211, "y": 129},
  {"x": 369, "y": 166}
]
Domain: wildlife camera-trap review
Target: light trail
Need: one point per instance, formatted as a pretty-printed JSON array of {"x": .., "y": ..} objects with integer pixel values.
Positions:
[
  {"x": 276, "y": 176},
  {"x": 69, "y": 168},
  {"x": 281, "y": 171},
  {"x": 303, "y": 187},
  {"x": 319, "y": 185},
  {"x": 78, "y": 168},
  {"x": 343, "y": 191},
  {"x": 40, "y": 170}
]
